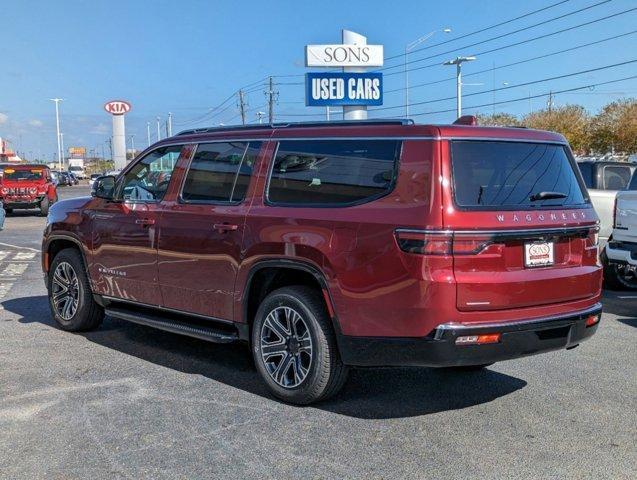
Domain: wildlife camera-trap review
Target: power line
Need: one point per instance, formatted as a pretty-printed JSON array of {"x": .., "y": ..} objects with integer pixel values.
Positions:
[
  {"x": 527, "y": 97},
  {"x": 508, "y": 87},
  {"x": 488, "y": 70},
  {"x": 498, "y": 37},
  {"x": 522, "y": 42},
  {"x": 401, "y": 55}
]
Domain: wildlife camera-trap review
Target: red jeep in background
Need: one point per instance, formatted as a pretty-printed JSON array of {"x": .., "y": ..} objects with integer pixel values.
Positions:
[
  {"x": 27, "y": 186},
  {"x": 330, "y": 245}
]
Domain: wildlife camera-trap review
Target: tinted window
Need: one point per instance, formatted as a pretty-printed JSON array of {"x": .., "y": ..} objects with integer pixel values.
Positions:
[
  {"x": 616, "y": 177},
  {"x": 23, "y": 174},
  {"x": 330, "y": 172},
  {"x": 633, "y": 182},
  {"x": 511, "y": 174},
  {"x": 587, "y": 173},
  {"x": 149, "y": 178},
  {"x": 220, "y": 172}
]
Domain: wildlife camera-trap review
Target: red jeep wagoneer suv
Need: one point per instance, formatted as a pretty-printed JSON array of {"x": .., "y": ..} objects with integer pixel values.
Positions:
[{"x": 330, "y": 245}]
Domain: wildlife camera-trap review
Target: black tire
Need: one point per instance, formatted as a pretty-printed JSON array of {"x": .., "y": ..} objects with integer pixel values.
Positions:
[
  {"x": 44, "y": 206},
  {"x": 326, "y": 373},
  {"x": 614, "y": 277},
  {"x": 8, "y": 210},
  {"x": 87, "y": 315}
]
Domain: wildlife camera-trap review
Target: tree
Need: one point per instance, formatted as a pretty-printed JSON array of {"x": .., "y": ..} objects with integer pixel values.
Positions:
[
  {"x": 500, "y": 119},
  {"x": 572, "y": 121},
  {"x": 615, "y": 127}
]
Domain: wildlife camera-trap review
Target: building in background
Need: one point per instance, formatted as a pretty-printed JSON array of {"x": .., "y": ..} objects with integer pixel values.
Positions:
[{"x": 7, "y": 154}]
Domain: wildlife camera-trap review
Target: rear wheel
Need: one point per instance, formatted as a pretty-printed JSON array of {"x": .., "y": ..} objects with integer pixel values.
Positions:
[
  {"x": 70, "y": 297},
  {"x": 8, "y": 210},
  {"x": 294, "y": 346},
  {"x": 618, "y": 276}
]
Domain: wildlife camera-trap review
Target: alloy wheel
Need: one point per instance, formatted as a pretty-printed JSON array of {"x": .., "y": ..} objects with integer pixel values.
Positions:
[
  {"x": 286, "y": 347},
  {"x": 65, "y": 291}
]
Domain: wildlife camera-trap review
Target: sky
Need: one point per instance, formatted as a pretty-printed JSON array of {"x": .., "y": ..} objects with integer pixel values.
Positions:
[{"x": 187, "y": 57}]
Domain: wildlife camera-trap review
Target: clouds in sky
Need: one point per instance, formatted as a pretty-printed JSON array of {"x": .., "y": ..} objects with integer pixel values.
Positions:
[{"x": 3, "y": 118}]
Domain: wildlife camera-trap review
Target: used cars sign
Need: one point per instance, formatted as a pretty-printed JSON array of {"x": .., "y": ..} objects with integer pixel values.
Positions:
[
  {"x": 343, "y": 88},
  {"x": 343, "y": 55}
]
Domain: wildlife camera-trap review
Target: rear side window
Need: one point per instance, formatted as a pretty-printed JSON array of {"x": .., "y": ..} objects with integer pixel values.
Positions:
[
  {"x": 501, "y": 175},
  {"x": 220, "y": 172},
  {"x": 616, "y": 177},
  {"x": 333, "y": 172}
]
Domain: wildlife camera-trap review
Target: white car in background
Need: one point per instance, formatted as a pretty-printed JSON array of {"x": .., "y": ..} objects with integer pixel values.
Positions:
[{"x": 621, "y": 250}]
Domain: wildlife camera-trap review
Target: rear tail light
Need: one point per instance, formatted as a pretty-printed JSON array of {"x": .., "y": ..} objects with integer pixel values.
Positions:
[
  {"x": 478, "y": 339},
  {"x": 441, "y": 243},
  {"x": 593, "y": 237}
]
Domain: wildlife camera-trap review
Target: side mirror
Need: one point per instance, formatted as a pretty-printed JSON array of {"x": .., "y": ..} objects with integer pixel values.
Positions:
[{"x": 104, "y": 187}]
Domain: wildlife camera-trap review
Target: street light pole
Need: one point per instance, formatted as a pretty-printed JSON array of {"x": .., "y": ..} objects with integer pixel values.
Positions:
[
  {"x": 62, "y": 144},
  {"x": 158, "y": 130},
  {"x": 57, "y": 124},
  {"x": 458, "y": 61},
  {"x": 409, "y": 47},
  {"x": 148, "y": 132}
]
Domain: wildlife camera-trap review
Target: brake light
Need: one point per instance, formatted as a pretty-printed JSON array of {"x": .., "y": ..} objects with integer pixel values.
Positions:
[
  {"x": 593, "y": 237},
  {"x": 441, "y": 243},
  {"x": 478, "y": 339}
]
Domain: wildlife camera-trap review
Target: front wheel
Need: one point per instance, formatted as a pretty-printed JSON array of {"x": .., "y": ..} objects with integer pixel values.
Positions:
[
  {"x": 44, "y": 206},
  {"x": 70, "y": 297},
  {"x": 294, "y": 346}
]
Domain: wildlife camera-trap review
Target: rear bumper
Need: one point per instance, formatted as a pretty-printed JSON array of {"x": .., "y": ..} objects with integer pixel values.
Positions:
[
  {"x": 518, "y": 339},
  {"x": 622, "y": 252}
]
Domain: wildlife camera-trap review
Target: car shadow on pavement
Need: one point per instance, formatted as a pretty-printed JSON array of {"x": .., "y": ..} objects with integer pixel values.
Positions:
[
  {"x": 622, "y": 304},
  {"x": 369, "y": 393}
]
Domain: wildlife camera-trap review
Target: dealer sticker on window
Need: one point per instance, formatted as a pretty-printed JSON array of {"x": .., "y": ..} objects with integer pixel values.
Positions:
[{"x": 538, "y": 254}]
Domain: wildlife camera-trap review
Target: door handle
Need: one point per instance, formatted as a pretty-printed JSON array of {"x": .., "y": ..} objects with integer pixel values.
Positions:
[
  {"x": 225, "y": 227},
  {"x": 145, "y": 221}
]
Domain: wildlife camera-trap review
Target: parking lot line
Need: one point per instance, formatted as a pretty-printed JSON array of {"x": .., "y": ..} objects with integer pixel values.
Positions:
[
  {"x": 19, "y": 247},
  {"x": 626, "y": 296}
]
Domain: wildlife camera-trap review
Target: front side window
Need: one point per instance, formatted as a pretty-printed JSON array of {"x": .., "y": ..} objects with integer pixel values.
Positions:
[
  {"x": 333, "y": 172},
  {"x": 616, "y": 177},
  {"x": 220, "y": 172},
  {"x": 509, "y": 175},
  {"x": 148, "y": 180}
]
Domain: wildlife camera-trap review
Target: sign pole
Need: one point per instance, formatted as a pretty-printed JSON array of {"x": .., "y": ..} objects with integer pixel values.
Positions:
[{"x": 354, "y": 112}]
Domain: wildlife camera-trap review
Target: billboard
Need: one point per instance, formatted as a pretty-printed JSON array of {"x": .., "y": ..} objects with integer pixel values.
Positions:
[
  {"x": 323, "y": 89},
  {"x": 77, "y": 152}
]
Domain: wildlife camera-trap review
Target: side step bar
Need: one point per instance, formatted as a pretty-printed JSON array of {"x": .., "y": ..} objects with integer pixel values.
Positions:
[{"x": 191, "y": 329}]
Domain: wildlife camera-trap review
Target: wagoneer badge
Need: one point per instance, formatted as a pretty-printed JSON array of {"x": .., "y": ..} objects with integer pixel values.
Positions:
[{"x": 529, "y": 217}]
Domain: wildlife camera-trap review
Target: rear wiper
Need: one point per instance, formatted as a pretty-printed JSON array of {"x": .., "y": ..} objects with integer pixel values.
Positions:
[{"x": 546, "y": 196}]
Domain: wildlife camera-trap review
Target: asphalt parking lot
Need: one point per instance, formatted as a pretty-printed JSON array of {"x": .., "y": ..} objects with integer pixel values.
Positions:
[{"x": 127, "y": 401}]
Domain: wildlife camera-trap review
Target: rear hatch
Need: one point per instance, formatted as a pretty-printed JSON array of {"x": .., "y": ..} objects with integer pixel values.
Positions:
[{"x": 524, "y": 232}]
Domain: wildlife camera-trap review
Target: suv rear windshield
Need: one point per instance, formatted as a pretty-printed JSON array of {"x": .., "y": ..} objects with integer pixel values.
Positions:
[{"x": 508, "y": 175}]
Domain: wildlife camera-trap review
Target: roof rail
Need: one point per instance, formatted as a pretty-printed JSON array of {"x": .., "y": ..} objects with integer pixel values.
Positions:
[{"x": 259, "y": 126}]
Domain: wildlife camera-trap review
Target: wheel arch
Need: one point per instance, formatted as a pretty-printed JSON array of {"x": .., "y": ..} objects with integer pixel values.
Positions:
[
  {"x": 55, "y": 244},
  {"x": 250, "y": 302}
]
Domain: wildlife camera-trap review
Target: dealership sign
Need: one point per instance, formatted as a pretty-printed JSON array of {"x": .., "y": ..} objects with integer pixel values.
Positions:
[
  {"x": 117, "y": 107},
  {"x": 343, "y": 88},
  {"x": 343, "y": 55}
]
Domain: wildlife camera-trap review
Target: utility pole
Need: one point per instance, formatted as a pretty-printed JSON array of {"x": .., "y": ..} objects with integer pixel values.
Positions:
[
  {"x": 62, "y": 144},
  {"x": 57, "y": 124},
  {"x": 110, "y": 147},
  {"x": 271, "y": 94},
  {"x": 148, "y": 132},
  {"x": 260, "y": 116},
  {"x": 132, "y": 145},
  {"x": 170, "y": 124},
  {"x": 158, "y": 130},
  {"x": 242, "y": 107},
  {"x": 549, "y": 103},
  {"x": 458, "y": 61}
]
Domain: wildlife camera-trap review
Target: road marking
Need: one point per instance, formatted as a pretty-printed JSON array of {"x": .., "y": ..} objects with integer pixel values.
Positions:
[
  {"x": 19, "y": 247},
  {"x": 626, "y": 296},
  {"x": 14, "y": 270},
  {"x": 4, "y": 254},
  {"x": 24, "y": 256}
]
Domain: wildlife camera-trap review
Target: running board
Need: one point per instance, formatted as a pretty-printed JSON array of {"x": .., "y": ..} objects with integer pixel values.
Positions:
[{"x": 192, "y": 328}]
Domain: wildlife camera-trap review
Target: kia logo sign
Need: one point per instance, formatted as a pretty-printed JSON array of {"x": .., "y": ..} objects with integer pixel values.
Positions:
[{"x": 117, "y": 107}]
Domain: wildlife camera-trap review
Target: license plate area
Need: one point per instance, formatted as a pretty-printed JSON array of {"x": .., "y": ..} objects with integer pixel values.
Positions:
[{"x": 539, "y": 254}]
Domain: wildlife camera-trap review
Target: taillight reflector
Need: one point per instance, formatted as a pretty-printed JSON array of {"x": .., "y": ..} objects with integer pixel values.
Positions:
[
  {"x": 478, "y": 339},
  {"x": 592, "y": 320},
  {"x": 441, "y": 243}
]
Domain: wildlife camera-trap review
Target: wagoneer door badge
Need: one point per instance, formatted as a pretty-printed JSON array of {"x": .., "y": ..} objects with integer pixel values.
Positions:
[{"x": 529, "y": 217}]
